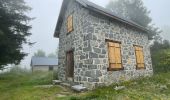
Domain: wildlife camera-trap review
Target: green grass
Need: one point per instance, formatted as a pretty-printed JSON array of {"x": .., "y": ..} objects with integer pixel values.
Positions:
[
  {"x": 22, "y": 85},
  {"x": 153, "y": 88}
]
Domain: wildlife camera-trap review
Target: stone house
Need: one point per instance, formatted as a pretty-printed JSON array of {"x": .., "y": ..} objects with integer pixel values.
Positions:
[
  {"x": 44, "y": 64},
  {"x": 96, "y": 47}
]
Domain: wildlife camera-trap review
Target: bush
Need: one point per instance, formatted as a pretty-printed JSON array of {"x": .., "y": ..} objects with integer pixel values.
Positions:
[
  {"x": 161, "y": 61},
  {"x": 55, "y": 75}
]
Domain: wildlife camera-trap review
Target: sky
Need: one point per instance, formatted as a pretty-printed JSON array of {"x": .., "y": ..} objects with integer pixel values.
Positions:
[{"x": 46, "y": 14}]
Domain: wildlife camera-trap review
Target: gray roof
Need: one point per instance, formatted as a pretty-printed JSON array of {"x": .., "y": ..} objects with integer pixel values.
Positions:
[
  {"x": 96, "y": 8},
  {"x": 44, "y": 61}
]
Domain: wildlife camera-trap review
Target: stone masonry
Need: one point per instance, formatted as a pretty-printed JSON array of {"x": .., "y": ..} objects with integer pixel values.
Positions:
[{"x": 88, "y": 40}]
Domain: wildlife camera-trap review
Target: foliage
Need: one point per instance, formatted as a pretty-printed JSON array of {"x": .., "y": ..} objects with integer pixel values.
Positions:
[
  {"x": 159, "y": 45},
  {"x": 166, "y": 31},
  {"x": 161, "y": 60},
  {"x": 55, "y": 75},
  {"x": 136, "y": 11},
  {"x": 40, "y": 53},
  {"x": 14, "y": 30},
  {"x": 52, "y": 55},
  {"x": 160, "y": 56}
]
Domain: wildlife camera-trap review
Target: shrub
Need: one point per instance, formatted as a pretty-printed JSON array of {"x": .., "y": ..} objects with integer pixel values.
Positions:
[
  {"x": 55, "y": 75},
  {"x": 161, "y": 61}
]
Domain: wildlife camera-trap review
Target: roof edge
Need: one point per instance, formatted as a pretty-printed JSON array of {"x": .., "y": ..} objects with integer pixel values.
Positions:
[
  {"x": 98, "y": 9},
  {"x": 119, "y": 19},
  {"x": 62, "y": 10}
]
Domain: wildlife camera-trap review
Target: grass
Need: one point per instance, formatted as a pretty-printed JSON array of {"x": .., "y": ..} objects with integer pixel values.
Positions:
[
  {"x": 23, "y": 85},
  {"x": 153, "y": 88}
]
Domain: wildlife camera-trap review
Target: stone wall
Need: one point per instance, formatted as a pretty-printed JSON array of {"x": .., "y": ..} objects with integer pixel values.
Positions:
[
  {"x": 90, "y": 49},
  {"x": 71, "y": 41}
]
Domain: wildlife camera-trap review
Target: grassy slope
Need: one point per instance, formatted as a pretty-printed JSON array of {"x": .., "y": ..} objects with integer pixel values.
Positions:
[
  {"x": 21, "y": 86},
  {"x": 154, "y": 88}
]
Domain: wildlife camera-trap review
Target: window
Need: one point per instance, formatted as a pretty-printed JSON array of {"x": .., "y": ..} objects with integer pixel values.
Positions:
[
  {"x": 114, "y": 54},
  {"x": 50, "y": 68},
  {"x": 70, "y": 23},
  {"x": 139, "y": 57}
]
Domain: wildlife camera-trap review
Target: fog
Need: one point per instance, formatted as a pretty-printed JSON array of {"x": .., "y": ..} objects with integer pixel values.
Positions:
[{"x": 46, "y": 13}]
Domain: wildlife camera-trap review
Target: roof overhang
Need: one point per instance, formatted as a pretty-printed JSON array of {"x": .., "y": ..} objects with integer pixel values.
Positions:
[{"x": 60, "y": 18}]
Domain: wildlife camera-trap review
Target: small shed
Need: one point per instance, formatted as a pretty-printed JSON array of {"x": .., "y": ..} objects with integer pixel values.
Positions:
[{"x": 44, "y": 64}]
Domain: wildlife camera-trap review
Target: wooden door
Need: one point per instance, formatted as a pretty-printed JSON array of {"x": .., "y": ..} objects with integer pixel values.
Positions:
[{"x": 70, "y": 64}]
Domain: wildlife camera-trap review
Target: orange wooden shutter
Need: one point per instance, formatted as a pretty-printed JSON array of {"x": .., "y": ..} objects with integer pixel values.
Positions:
[
  {"x": 118, "y": 55},
  {"x": 111, "y": 55},
  {"x": 114, "y": 55},
  {"x": 139, "y": 57},
  {"x": 70, "y": 23}
]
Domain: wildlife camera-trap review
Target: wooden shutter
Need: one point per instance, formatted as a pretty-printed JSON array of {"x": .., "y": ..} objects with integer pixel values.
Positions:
[
  {"x": 139, "y": 57},
  {"x": 114, "y": 56},
  {"x": 70, "y": 23}
]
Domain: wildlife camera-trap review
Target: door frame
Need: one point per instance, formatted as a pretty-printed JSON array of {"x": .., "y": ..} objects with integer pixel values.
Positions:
[{"x": 67, "y": 69}]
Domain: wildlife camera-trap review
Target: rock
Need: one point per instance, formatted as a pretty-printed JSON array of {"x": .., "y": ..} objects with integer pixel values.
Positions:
[
  {"x": 119, "y": 88},
  {"x": 163, "y": 87},
  {"x": 79, "y": 88},
  {"x": 56, "y": 82},
  {"x": 93, "y": 55}
]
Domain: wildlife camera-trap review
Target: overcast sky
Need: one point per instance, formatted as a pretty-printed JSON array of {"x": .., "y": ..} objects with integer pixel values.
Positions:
[{"x": 46, "y": 13}]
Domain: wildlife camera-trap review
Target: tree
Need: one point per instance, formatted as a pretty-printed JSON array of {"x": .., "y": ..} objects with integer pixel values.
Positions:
[
  {"x": 52, "y": 55},
  {"x": 166, "y": 32},
  {"x": 161, "y": 60},
  {"x": 160, "y": 45},
  {"x": 166, "y": 44},
  {"x": 40, "y": 53},
  {"x": 14, "y": 30},
  {"x": 136, "y": 11}
]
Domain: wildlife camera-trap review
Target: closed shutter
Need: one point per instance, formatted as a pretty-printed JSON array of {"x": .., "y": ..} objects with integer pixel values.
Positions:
[
  {"x": 114, "y": 56},
  {"x": 70, "y": 23},
  {"x": 139, "y": 57}
]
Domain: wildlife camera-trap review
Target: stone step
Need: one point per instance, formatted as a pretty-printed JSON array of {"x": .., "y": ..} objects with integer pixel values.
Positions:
[
  {"x": 79, "y": 88},
  {"x": 56, "y": 82}
]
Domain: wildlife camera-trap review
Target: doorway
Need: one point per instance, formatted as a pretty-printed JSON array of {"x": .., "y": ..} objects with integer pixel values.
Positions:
[{"x": 70, "y": 65}]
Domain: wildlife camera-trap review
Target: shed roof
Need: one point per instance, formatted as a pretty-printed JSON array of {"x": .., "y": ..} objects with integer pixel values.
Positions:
[
  {"x": 44, "y": 61},
  {"x": 93, "y": 7}
]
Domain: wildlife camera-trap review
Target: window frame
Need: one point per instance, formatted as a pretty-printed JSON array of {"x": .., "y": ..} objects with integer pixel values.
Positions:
[
  {"x": 137, "y": 67},
  {"x": 109, "y": 67},
  {"x": 69, "y": 31}
]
